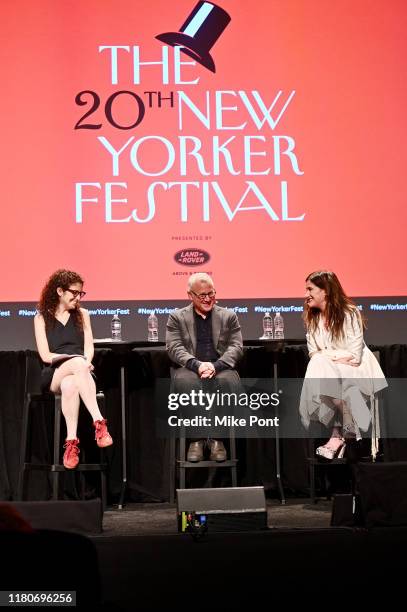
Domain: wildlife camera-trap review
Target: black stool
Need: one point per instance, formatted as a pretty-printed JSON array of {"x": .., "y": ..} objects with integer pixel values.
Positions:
[
  {"x": 315, "y": 462},
  {"x": 182, "y": 464},
  {"x": 32, "y": 378}
]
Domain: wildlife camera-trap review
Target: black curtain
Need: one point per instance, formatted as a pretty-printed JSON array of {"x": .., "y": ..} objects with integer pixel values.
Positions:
[
  {"x": 12, "y": 380},
  {"x": 149, "y": 459},
  {"x": 393, "y": 360}
]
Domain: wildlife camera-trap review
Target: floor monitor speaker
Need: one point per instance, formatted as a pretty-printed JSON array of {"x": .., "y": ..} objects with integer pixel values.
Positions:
[{"x": 221, "y": 509}]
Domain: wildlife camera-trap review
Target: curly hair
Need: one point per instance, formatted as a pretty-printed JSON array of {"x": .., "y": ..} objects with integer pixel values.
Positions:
[
  {"x": 49, "y": 298},
  {"x": 338, "y": 304}
]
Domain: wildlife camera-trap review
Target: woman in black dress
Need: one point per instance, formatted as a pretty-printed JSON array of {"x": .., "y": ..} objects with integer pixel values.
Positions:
[{"x": 65, "y": 343}]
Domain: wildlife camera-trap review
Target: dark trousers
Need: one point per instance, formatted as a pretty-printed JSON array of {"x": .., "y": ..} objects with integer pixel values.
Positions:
[{"x": 185, "y": 380}]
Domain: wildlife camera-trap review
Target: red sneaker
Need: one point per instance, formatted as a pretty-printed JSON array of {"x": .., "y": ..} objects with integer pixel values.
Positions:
[
  {"x": 102, "y": 436},
  {"x": 71, "y": 454}
]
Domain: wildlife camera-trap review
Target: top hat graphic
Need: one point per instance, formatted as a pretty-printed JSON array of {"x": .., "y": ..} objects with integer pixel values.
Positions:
[{"x": 199, "y": 33}]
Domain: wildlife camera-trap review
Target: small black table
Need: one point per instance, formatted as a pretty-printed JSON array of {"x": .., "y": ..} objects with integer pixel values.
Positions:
[
  {"x": 122, "y": 348},
  {"x": 275, "y": 346}
]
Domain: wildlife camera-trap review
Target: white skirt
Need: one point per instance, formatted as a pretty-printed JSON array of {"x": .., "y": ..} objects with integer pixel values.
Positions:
[{"x": 326, "y": 379}]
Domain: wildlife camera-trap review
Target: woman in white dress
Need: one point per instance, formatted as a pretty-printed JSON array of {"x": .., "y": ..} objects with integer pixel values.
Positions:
[{"x": 342, "y": 372}]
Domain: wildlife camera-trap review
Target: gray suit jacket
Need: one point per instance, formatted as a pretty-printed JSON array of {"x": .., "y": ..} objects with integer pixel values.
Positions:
[{"x": 181, "y": 335}]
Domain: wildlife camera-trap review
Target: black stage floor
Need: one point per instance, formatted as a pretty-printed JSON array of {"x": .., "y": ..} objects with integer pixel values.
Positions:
[{"x": 160, "y": 519}]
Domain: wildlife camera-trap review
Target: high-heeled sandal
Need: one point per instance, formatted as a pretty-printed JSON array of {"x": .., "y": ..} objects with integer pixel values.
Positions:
[{"x": 334, "y": 448}]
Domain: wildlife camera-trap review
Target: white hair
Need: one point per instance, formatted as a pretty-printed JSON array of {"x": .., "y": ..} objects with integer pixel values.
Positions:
[{"x": 199, "y": 276}]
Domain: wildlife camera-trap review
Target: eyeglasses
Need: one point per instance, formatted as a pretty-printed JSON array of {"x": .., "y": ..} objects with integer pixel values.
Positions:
[
  {"x": 75, "y": 293},
  {"x": 203, "y": 296}
]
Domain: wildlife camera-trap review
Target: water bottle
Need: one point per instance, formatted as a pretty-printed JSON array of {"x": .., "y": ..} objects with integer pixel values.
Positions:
[
  {"x": 152, "y": 328},
  {"x": 267, "y": 327},
  {"x": 278, "y": 327},
  {"x": 116, "y": 328}
]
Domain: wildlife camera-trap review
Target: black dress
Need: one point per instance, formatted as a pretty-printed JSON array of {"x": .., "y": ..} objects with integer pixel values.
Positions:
[{"x": 61, "y": 339}]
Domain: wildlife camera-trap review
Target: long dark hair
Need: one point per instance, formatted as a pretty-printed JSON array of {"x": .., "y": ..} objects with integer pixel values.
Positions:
[
  {"x": 338, "y": 304},
  {"x": 49, "y": 299}
]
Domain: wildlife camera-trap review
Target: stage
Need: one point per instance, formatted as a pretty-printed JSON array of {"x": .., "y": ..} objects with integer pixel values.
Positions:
[
  {"x": 235, "y": 571},
  {"x": 87, "y": 518},
  {"x": 160, "y": 519},
  {"x": 146, "y": 565},
  {"x": 140, "y": 561},
  {"x": 136, "y": 554}
]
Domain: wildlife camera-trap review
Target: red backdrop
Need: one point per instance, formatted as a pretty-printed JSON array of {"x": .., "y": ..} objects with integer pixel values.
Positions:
[{"x": 345, "y": 123}]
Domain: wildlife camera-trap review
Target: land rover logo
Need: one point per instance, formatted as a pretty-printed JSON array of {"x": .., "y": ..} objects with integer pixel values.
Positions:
[{"x": 192, "y": 257}]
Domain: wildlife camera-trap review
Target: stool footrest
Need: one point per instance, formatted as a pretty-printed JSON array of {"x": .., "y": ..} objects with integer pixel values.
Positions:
[
  {"x": 58, "y": 467},
  {"x": 197, "y": 464},
  {"x": 326, "y": 462}
]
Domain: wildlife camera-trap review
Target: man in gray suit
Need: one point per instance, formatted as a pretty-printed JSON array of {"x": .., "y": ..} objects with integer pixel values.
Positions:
[{"x": 206, "y": 341}]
